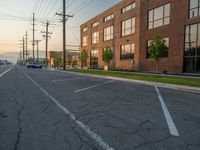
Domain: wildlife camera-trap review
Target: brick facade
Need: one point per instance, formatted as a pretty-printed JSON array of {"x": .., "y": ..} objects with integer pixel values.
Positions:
[{"x": 175, "y": 30}]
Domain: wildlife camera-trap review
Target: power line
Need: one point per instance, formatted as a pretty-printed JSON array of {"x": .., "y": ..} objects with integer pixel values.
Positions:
[
  {"x": 45, "y": 8},
  {"x": 33, "y": 37},
  {"x": 12, "y": 9},
  {"x": 82, "y": 5},
  {"x": 51, "y": 8},
  {"x": 39, "y": 7},
  {"x": 48, "y": 12},
  {"x": 26, "y": 45},
  {"x": 35, "y": 5}
]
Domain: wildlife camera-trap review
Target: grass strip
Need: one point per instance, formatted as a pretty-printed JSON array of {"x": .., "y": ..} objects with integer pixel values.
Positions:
[{"x": 144, "y": 77}]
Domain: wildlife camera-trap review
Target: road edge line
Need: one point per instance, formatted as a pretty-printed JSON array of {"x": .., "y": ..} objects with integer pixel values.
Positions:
[
  {"x": 99, "y": 140},
  {"x": 1, "y": 75},
  {"x": 171, "y": 125},
  {"x": 93, "y": 86}
]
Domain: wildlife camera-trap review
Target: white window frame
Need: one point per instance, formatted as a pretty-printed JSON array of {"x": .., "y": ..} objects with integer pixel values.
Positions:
[
  {"x": 108, "y": 33},
  {"x": 95, "y": 37},
  {"x": 95, "y": 24},
  {"x": 109, "y": 17},
  {"x": 129, "y": 7},
  {"x": 124, "y": 28}
]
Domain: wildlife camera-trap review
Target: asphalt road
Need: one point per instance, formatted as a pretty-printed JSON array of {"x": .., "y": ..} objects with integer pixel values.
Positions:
[{"x": 47, "y": 110}]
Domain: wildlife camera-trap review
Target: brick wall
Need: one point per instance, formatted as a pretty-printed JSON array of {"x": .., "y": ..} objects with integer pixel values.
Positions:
[{"x": 175, "y": 31}]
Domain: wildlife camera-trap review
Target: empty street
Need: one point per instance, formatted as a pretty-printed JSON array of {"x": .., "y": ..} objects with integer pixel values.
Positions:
[{"x": 51, "y": 110}]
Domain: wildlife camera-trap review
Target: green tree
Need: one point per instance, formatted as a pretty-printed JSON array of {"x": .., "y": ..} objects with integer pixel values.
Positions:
[
  {"x": 69, "y": 59},
  {"x": 83, "y": 57},
  {"x": 107, "y": 55},
  {"x": 155, "y": 50},
  {"x": 58, "y": 60}
]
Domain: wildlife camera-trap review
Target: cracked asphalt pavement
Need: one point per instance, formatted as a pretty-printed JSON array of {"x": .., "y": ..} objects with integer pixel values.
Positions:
[{"x": 125, "y": 116}]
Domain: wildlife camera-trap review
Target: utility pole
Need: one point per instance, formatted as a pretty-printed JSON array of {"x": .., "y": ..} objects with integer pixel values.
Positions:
[
  {"x": 64, "y": 19},
  {"x": 33, "y": 37},
  {"x": 37, "y": 43},
  {"x": 64, "y": 35},
  {"x": 47, "y": 37},
  {"x": 23, "y": 48},
  {"x": 26, "y": 45}
]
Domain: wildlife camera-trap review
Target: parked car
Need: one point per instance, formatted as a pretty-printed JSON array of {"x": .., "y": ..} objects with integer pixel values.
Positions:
[{"x": 33, "y": 65}]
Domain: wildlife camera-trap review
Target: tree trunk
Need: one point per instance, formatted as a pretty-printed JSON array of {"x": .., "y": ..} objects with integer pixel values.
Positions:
[{"x": 106, "y": 66}]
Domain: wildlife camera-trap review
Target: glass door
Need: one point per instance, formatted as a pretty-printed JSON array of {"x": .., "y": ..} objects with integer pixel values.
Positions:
[
  {"x": 192, "y": 49},
  {"x": 94, "y": 59}
]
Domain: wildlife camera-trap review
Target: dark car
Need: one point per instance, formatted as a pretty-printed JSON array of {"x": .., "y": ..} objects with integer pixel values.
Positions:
[{"x": 33, "y": 65}]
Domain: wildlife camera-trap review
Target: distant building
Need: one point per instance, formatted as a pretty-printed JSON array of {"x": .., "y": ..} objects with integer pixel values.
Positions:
[
  {"x": 129, "y": 26},
  {"x": 74, "y": 53}
]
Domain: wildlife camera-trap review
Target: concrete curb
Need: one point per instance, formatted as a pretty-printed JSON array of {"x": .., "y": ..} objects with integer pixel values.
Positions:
[{"x": 162, "y": 85}]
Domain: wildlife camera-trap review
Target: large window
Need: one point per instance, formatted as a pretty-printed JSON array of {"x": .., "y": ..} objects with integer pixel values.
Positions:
[
  {"x": 127, "y": 51},
  {"x": 85, "y": 41},
  {"x": 159, "y": 16},
  {"x": 163, "y": 53},
  {"x": 129, "y": 7},
  {"x": 128, "y": 26},
  {"x": 192, "y": 48},
  {"x": 109, "y": 17},
  {"x": 95, "y": 37},
  {"x": 108, "y": 33},
  {"x": 85, "y": 29},
  {"x": 95, "y": 24},
  {"x": 194, "y": 8}
]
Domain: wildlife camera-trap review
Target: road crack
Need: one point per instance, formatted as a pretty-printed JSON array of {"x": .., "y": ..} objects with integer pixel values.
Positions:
[
  {"x": 152, "y": 142},
  {"x": 19, "y": 128},
  {"x": 127, "y": 132}
]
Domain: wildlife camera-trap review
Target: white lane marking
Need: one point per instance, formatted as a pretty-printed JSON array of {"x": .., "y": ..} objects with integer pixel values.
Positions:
[
  {"x": 99, "y": 140},
  {"x": 60, "y": 80},
  {"x": 87, "y": 88},
  {"x": 1, "y": 75},
  {"x": 171, "y": 125}
]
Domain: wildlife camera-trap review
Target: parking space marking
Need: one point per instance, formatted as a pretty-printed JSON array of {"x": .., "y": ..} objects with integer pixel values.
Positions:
[
  {"x": 1, "y": 75},
  {"x": 90, "y": 87},
  {"x": 98, "y": 139},
  {"x": 171, "y": 125},
  {"x": 60, "y": 80}
]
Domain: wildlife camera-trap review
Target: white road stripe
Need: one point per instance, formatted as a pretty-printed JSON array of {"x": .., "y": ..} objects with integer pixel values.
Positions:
[
  {"x": 1, "y": 75},
  {"x": 84, "y": 127},
  {"x": 60, "y": 80},
  {"x": 172, "y": 127},
  {"x": 87, "y": 88}
]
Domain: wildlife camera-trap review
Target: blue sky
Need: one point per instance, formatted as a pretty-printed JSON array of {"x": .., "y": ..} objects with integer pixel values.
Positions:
[{"x": 15, "y": 19}]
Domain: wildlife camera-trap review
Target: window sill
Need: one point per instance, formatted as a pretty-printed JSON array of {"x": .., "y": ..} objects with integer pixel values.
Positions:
[
  {"x": 196, "y": 17},
  {"x": 127, "y": 59},
  {"x": 158, "y": 27},
  {"x": 124, "y": 36},
  {"x": 151, "y": 59},
  {"x": 108, "y": 40}
]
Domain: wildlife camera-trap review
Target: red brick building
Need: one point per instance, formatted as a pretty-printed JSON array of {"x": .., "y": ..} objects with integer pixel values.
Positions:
[{"x": 129, "y": 26}]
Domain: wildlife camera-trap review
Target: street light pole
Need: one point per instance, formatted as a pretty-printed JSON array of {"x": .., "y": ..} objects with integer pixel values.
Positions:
[{"x": 64, "y": 36}]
